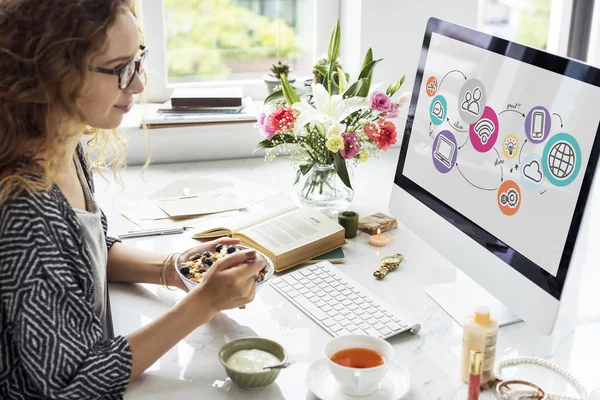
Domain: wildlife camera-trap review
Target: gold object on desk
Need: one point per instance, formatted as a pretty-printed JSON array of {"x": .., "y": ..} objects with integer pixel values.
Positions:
[{"x": 388, "y": 264}]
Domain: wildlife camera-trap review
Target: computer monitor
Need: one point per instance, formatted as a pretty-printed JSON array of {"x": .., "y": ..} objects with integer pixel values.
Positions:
[{"x": 496, "y": 167}]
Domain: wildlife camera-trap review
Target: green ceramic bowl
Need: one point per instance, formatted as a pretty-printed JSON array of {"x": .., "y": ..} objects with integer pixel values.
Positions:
[{"x": 252, "y": 380}]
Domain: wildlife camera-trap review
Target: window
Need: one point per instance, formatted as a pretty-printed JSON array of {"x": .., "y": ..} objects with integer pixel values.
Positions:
[
  {"x": 562, "y": 27},
  {"x": 523, "y": 21},
  {"x": 232, "y": 42}
]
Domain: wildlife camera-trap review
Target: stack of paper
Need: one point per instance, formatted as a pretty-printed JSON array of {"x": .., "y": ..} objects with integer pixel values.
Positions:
[{"x": 187, "y": 202}]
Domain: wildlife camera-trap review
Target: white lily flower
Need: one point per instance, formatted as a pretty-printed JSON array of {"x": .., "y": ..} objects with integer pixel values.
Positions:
[{"x": 329, "y": 111}]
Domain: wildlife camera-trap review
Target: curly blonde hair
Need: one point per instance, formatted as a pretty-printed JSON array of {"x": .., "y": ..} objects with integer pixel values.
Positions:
[{"x": 45, "y": 50}]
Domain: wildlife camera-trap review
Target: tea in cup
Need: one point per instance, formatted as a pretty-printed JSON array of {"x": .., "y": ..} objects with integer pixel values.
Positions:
[{"x": 359, "y": 362}]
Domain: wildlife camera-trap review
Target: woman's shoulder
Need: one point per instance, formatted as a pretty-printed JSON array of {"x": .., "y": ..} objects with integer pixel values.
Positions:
[{"x": 42, "y": 209}]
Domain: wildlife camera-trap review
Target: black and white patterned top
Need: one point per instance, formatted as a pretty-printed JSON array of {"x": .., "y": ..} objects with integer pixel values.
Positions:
[{"x": 51, "y": 342}]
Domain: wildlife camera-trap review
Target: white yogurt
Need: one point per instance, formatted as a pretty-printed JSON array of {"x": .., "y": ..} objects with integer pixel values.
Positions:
[{"x": 251, "y": 360}]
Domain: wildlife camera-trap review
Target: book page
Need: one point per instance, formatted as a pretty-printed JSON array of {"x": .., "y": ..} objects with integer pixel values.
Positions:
[
  {"x": 292, "y": 230},
  {"x": 253, "y": 214}
]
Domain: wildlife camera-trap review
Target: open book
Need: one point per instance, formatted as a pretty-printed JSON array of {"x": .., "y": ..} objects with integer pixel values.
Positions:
[{"x": 287, "y": 235}]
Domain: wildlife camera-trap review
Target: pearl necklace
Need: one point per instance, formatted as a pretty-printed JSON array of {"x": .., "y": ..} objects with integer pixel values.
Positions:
[{"x": 583, "y": 394}]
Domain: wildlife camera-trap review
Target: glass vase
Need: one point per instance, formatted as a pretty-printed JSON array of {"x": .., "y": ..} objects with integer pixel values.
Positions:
[{"x": 322, "y": 188}]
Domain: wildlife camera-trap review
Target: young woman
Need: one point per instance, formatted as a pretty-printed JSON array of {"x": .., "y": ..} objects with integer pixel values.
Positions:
[{"x": 68, "y": 68}]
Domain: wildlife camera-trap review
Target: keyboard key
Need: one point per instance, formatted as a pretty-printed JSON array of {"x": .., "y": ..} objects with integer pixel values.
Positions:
[
  {"x": 340, "y": 297},
  {"x": 289, "y": 279},
  {"x": 320, "y": 294},
  {"x": 356, "y": 320},
  {"x": 336, "y": 327},
  {"x": 352, "y": 296},
  {"x": 336, "y": 285},
  {"x": 332, "y": 312},
  {"x": 376, "y": 314},
  {"x": 371, "y": 310},
  {"x": 324, "y": 296},
  {"x": 338, "y": 317},
  {"x": 364, "y": 305},
  {"x": 346, "y": 292},
  {"x": 313, "y": 268},
  {"x": 372, "y": 332},
  {"x": 323, "y": 285},
  {"x": 326, "y": 308},
  {"x": 340, "y": 307},
  {"x": 343, "y": 332},
  {"x": 306, "y": 272},
  {"x": 320, "y": 303},
  {"x": 309, "y": 285},
  {"x": 385, "y": 331},
  {"x": 329, "y": 280},
  {"x": 346, "y": 302},
  {"x": 360, "y": 312},
  {"x": 393, "y": 326},
  {"x": 372, "y": 321},
  {"x": 328, "y": 322},
  {"x": 310, "y": 307},
  {"x": 379, "y": 326},
  {"x": 384, "y": 320},
  {"x": 293, "y": 293},
  {"x": 344, "y": 322},
  {"x": 304, "y": 291},
  {"x": 352, "y": 307},
  {"x": 352, "y": 328},
  {"x": 364, "y": 326}
]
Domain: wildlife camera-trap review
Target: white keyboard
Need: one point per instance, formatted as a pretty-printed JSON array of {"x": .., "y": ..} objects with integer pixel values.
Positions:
[{"x": 339, "y": 304}]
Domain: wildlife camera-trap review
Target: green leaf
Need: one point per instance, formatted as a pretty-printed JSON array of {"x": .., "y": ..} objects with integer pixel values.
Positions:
[
  {"x": 322, "y": 69},
  {"x": 342, "y": 80},
  {"x": 340, "y": 168},
  {"x": 305, "y": 168},
  {"x": 265, "y": 144},
  {"x": 359, "y": 88},
  {"x": 367, "y": 71},
  {"x": 368, "y": 58},
  {"x": 334, "y": 43},
  {"x": 278, "y": 95},
  {"x": 288, "y": 91},
  {"x": 298, "y": 174}
]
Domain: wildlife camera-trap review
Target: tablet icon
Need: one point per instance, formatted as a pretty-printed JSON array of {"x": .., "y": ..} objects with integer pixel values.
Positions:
[
  {"x": 444, "y": 151},
  {"x": 537, "y": 124}
]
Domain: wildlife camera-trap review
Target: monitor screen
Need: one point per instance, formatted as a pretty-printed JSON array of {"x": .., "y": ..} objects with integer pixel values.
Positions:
[{"x": 501, "y": 141}]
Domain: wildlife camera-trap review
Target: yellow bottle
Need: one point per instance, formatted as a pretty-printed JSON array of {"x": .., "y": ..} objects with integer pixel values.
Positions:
[{"x": 479, "y": 333}]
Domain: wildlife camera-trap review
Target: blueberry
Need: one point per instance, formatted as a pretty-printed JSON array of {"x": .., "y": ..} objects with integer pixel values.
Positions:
[
  {"x": 231, "y": 249},
  {"x": 196, "y": 256},
  {"x": 208, "y": 262},
  {"x": 218, "y": 248},
  {"x": 206, "y": 254},
  {"x": 184, "y": 270}
]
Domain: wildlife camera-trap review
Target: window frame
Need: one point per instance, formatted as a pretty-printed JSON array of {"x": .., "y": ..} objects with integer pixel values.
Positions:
[{"x": 325, "y": 14}]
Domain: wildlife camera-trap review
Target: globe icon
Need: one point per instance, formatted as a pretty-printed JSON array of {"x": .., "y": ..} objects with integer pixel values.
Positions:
[{"x": 561, "y": 160}]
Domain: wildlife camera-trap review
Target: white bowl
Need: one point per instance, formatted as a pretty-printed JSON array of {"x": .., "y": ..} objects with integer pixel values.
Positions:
[{"x": 191, "y": 284}]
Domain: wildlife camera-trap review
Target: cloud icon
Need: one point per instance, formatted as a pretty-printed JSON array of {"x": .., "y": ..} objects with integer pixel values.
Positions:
[{"x": 532, "y": 171}]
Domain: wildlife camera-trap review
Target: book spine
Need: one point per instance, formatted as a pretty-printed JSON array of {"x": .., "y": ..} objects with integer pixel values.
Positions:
[{"x": 206, "y": 102}]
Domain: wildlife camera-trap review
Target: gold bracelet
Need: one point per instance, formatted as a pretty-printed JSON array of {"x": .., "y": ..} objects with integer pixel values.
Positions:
[{"x": 162, "y": 276}]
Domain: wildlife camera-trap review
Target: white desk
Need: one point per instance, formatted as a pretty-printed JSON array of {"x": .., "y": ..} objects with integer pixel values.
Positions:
[{"x": 192, "y": 370}]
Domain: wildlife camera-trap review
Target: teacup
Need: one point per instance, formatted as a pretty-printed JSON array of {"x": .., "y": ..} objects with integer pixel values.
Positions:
[{"x": 364, "y": 380}]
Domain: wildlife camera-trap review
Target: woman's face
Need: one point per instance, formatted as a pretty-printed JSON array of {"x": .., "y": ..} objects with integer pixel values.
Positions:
[{"x": 104, "y": 104}]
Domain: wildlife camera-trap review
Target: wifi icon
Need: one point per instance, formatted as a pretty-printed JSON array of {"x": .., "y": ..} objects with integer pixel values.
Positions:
[
  {"x": 484, "y": 129},
  {"x": 483, "y": 134}
]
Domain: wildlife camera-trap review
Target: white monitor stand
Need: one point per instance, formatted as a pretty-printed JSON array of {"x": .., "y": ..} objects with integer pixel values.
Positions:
[{"x": 460, "y": 298}]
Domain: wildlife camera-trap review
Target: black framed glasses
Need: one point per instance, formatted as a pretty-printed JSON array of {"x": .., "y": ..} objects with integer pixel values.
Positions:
[{"x": 127, "y": 71}]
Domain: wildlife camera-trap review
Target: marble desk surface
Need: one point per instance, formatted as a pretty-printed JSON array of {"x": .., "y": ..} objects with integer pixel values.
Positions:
[{"x": 191, "y": 369}]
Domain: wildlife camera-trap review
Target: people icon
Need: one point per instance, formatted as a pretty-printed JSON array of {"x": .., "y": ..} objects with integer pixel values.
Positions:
[{"x": 471, "y": 103}]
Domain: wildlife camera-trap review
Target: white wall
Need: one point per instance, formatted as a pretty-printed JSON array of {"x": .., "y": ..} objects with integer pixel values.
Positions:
[
  {"x": 394, "y": 29},
  {"x": 594, "y": 49}
]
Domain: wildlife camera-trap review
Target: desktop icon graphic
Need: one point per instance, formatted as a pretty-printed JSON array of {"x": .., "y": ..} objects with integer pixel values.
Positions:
[{"x": 444, "y": 151}]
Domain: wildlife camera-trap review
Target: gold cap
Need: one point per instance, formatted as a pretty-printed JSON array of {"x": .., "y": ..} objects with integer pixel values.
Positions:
[{"x": 475, "y": 362}]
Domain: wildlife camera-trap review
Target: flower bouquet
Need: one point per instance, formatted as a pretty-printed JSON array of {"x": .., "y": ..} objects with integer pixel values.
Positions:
[{"x": 324, "y": 126}]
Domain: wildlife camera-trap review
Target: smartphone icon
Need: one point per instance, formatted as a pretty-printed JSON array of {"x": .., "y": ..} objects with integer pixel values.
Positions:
[{"x": 537, "y": 124}]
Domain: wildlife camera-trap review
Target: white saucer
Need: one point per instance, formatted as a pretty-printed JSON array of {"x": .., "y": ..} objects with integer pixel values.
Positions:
[{"x": 321, "y": 382}]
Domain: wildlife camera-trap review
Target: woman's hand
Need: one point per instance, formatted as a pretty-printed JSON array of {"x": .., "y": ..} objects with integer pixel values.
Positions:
[
  {"x": 173, "y": 278},
  {"x": 229, "y": 283}
]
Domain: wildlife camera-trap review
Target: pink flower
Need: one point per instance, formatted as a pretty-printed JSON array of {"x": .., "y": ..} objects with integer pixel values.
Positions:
[
  {"x": 265, "y": 127},
  {"x": 383, "y": 133},
  {"x": 283, "y": 119},
  {"x": 393, "y": 112},
  {"x": 351, "y": 145},
  {"x": 380, "y": 102}
]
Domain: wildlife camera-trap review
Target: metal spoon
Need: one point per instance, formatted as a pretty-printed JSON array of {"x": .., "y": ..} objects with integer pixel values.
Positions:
[{"x": 280, "y": 366}]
